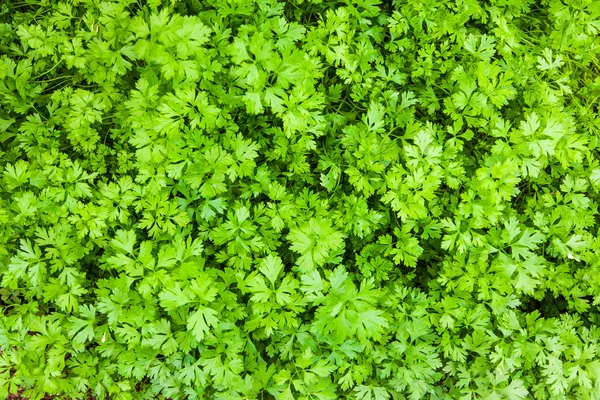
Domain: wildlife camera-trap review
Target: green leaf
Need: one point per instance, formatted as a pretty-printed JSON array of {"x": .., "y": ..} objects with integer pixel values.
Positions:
[
  {"x": 271, "y": 267},
  {"x": 200, "y": 322},
  {"x": 124, "y": 240}
]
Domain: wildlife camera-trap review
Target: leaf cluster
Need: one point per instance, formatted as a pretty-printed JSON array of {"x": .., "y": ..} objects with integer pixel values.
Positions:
[{"x": 304, "y": 199}]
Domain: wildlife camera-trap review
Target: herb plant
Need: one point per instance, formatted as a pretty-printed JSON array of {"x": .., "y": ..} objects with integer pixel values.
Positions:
[{"x": 303, "y": 199}]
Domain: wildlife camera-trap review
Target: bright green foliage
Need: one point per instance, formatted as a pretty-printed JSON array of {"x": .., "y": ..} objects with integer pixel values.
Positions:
[{"x": 304, "y": 199}]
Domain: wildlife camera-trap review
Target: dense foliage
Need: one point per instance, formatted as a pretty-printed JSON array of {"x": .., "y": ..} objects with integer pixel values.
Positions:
[{"x": 253, "y": 199}]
